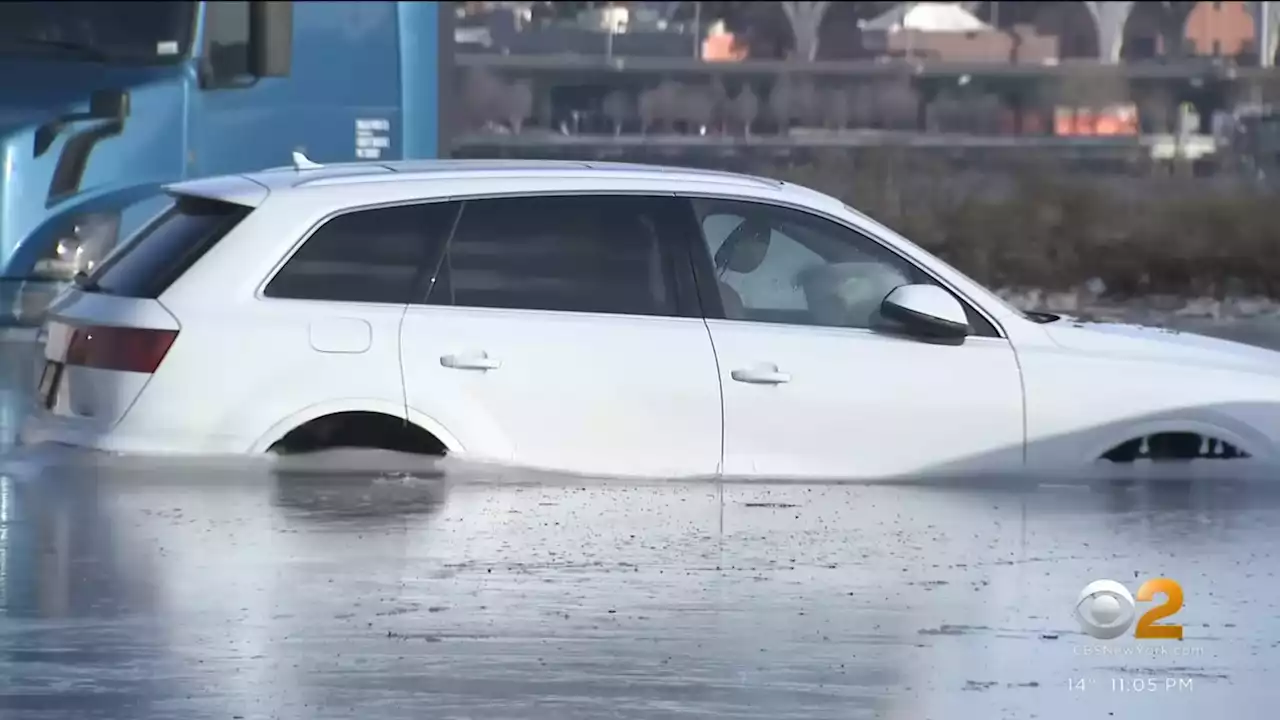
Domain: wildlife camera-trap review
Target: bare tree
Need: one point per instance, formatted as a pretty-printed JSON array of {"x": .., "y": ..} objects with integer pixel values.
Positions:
[
  {"x": 806, "y": 105},
  {"x": 719, "y": 98},
  {"x": 519, "y": 104},
  {"x": 780, "y": 103},
  {"x": 944, "y": 113},
  {"x": 649, "y": 109},
  {"x": 675, "y": 98},
  {"x": 965, "y": 112},
  {"x": 987, "y": 112},
  {"x": 617, "y": 108},
  {"x": 670, "y": 95},
  {"x": 1157, "y": 108},
  {"x": 805, "y": 19},
  {"x": 1171, "y": 21},
  {"x": 483, "y": 97},
  {"x": 1093, "y": 91},
  {"x": 862, "y": 111},
  {"x": 660, "y": 106},
  {"x": 746, "y": 107},
  {"x": 897, "y": 103},
  {"x": 699, "y": 109},
  {"x": 545, "y": 114},
  {"x": 837, "y": 108}
]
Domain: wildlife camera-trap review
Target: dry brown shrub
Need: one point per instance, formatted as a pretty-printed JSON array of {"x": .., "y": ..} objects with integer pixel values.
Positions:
[{"x": 1048, "y": 229}]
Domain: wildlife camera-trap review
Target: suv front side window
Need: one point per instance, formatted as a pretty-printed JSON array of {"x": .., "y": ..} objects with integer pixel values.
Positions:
[
  {"x": 589, "y": 253},
  {"x": 776, "y": 264}
]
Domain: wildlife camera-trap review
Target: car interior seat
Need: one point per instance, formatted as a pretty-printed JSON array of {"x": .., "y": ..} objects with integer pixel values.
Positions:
[
  {"x": 638, "y": 239},
  {"x": 743, "y": 251}
]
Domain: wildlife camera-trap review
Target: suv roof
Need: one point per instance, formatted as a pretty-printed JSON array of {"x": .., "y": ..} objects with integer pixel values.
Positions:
[
  {"x": 252, "y": 188},
  {"x": 433, "y": 169}
]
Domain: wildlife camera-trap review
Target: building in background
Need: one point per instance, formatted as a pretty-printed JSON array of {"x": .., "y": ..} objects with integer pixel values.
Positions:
[
  {"x": 1221, "y": 29},
  {"x": 553, "y": 80},
  {"x": 621, "y": 29},
  {"x": 720, "y": 45},
  {"x": 948, "y": 32},
  {"x": 1027, "y": 31}
]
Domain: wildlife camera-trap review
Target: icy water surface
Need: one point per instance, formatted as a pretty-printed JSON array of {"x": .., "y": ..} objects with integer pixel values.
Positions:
[
  {"x": 205, "y": 593},
  {"x": 237, "y": 590}
]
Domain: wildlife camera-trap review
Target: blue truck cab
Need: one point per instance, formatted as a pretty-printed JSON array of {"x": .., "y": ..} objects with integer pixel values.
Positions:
[{"x": 104, "y": 102}]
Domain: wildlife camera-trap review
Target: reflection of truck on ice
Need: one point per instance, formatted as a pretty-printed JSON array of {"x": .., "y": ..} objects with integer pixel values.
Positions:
[{"x": 109, "y": 100}]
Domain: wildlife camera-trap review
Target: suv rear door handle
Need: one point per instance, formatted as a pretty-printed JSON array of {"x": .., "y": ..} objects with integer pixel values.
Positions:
[
  {"x": 471, "y": 361},
  {"x": 762, "y": 375}
]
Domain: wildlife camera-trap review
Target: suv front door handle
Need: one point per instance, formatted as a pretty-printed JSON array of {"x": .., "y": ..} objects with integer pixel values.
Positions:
[
  {"x": 761, "y": 375},
  {"x": 471, "y": 361}
]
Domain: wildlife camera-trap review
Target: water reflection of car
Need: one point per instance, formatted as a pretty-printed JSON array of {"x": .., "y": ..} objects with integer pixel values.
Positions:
[{"x": 599, "y": 318}]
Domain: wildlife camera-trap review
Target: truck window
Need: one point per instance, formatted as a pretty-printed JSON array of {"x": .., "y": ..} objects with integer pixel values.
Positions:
[
  {"x": 148, "y": 263},
  {"x": 127, "y": 32},
  {"x": 375, "y": 255}
]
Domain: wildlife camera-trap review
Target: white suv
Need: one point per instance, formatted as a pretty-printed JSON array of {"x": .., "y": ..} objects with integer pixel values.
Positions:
[{"x": 600, "y": 318}]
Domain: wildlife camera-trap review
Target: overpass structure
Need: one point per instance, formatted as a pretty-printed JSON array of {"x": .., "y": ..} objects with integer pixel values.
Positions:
[
  {"x": 1109, "y": 20},
  {"x": 574, "y": 84}
]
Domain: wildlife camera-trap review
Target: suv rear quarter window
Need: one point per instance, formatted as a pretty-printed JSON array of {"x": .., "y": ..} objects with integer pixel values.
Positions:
[{"x": 149, "y": 262}]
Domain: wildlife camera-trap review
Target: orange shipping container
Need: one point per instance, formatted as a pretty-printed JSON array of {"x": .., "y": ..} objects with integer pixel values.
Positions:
[{"x": 1116, "y": 120}]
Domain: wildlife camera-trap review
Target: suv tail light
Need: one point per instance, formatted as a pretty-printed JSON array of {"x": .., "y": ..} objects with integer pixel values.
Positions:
[{"x": 137, "y": 350}]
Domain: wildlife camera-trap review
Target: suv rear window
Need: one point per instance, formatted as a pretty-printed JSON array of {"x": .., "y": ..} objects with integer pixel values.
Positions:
[{"x": 163, "y": 250}]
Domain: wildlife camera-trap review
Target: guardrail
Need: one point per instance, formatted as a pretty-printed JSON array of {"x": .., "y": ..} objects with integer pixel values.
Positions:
[
  {"x": 865, "y": 68},
  {"x": 1160, "y": 147}
]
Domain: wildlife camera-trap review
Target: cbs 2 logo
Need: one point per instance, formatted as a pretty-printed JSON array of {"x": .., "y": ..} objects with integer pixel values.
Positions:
[{"x": 1106, "y": 610}]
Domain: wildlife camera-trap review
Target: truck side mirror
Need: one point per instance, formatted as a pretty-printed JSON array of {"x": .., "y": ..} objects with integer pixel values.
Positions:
[{"x": 270, "y": 38}]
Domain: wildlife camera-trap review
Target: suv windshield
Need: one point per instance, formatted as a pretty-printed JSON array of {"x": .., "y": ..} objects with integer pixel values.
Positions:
[{"x": 129, "y": 32}]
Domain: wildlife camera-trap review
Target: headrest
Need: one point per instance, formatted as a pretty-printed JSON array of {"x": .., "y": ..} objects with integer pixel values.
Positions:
[{"x": 746, "y": 247}]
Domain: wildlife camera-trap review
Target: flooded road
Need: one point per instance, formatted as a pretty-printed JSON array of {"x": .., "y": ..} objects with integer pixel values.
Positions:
[{"x": 216, "y": 590}]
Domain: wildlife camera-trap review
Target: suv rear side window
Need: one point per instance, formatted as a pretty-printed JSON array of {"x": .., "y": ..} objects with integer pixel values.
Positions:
[
  {"x": 375, "y": 255},
  {"x": 162, "y": 251},
  {"x": 590, "y": 253}
]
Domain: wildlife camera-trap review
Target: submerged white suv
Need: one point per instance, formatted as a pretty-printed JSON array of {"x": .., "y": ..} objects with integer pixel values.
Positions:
[{"x": 602, "y": 318}]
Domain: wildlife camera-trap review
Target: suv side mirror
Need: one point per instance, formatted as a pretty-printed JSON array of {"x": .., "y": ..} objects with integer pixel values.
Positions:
[
  {"x": 927, "y": 312},
  {"x": 270, "y": 38}
]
